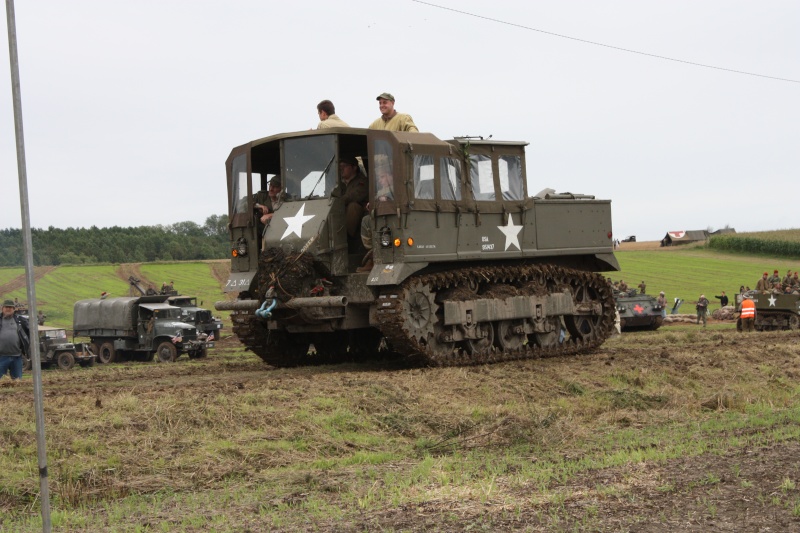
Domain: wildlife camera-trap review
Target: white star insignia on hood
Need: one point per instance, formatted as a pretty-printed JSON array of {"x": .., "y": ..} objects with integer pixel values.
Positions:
[{"x": 295, "y": 224}]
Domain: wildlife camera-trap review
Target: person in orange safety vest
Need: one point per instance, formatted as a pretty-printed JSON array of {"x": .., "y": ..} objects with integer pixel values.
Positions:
[{"x": 748, "y": 313}]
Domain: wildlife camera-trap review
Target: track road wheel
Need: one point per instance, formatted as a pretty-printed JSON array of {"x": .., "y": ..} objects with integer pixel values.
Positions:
[
  {"x": 584, "y": 327},
  {"x": 106, "y": 353},
  {"x": 166, "y": 352},
  {"x": 548, "y": 339},
  {"x": 507, "y": 339},
  {"x": 482, "y": 346},
  {"x": 65, "y": 360},
  {"x": 794, "y": 322}
]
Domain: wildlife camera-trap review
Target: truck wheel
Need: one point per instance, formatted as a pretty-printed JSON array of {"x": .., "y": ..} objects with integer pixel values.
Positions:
[
  {"x": 106, "y": 353},
  {"x": 166, "y": 352},
  {"x": 26, "y": 363},
  {"x": 65, "y": 360}
]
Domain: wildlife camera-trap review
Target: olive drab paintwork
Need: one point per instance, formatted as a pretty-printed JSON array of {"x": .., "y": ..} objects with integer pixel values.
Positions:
[
  {"x": 434, "y": 205},
  {"x": 638, "y": 311},
  {"x": 774, "y": 311}
]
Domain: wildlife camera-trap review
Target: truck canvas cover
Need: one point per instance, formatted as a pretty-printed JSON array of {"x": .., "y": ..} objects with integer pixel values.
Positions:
[{"x": 114, "y": 313}]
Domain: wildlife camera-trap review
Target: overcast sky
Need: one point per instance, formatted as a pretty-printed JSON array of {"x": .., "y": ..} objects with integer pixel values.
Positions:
[{"x": 131, "y": 108}]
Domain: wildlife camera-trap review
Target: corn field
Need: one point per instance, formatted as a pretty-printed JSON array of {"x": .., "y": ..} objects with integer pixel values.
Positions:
[{"x": 783, "y": 243}]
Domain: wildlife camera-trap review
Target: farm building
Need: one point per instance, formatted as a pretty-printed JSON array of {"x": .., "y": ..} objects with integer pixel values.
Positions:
[{"x": 687, "y": 236}]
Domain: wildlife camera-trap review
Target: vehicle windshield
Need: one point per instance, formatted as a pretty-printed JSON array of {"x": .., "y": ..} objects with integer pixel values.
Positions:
[
  {"x": 56, "y": 334},
  {"x": 310, "y": 166}
]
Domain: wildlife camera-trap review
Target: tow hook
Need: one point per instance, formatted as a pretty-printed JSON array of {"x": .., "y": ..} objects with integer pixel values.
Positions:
[{"x": 270, "y": 302}]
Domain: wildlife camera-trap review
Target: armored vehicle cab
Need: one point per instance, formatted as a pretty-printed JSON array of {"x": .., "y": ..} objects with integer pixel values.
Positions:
[
  {"x": 773, "y": 311},
  {"x": 468, "y": 267}
]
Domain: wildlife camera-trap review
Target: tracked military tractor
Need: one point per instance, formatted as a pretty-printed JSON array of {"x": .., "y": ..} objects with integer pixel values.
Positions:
[{"x": 468, "y": 267}]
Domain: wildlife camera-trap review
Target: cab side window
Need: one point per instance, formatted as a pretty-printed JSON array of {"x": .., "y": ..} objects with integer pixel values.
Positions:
[
  {"x": 450, "y": 172},
  {"x": 423, "y": 177},
  {"x": 509, "y": 168},
  {"x": 481, "y": 176}
]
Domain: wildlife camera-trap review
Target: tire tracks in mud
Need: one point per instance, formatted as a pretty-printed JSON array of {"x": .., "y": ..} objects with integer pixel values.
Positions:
[{"x": 19, "y": 282}]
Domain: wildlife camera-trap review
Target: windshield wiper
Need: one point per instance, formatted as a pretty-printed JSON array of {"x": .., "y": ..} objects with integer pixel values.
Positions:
[{"x": 321, "y": 176}]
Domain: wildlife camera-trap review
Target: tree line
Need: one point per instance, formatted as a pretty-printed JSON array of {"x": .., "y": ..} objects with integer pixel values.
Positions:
[{"x": 182, "y": 241}]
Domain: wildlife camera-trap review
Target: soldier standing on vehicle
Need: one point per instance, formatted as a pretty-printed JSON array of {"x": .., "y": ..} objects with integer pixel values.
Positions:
[
  {"x": 748, "y": 313},
  {"x": 642, "y": 287},
  {"x": 723, "y": 300},
  {"x": 14, "y": 342},
  {"x": 662, "y": 302},
  {"x": 328, "y": 117},
  {"x": 390, "y": 119},
  {"x": 702, "y": 309}
]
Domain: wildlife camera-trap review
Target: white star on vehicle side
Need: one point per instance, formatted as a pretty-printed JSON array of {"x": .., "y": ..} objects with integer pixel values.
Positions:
[
  {"x": 295, "y": 224},
  {"x": 772, "y": 301},
  {"x": 511, "y": 232}
]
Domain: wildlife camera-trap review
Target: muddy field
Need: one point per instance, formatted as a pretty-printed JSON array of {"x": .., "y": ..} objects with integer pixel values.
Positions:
[{"x": 175, "y": 441}]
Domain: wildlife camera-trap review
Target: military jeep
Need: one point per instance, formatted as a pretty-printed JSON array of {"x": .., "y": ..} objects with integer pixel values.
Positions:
[{"x": 54, "y": 348}]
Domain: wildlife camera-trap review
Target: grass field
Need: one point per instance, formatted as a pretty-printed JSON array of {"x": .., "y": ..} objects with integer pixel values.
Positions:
[{"x": 681, "y": 429}]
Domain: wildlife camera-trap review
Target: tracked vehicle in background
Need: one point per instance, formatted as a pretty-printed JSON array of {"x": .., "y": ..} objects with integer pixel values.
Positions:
[
  {"x": 638, "y": 311},
  {"x": 773, "y": 311},
  {"x": 468, "y": 267}
]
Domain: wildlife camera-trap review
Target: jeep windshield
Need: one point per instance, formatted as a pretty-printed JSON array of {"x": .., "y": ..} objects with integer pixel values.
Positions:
[{"x": 310, "y": 168}]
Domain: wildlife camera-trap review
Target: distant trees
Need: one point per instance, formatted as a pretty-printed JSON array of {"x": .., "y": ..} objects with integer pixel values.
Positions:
[{"x": 183, "y": 241}]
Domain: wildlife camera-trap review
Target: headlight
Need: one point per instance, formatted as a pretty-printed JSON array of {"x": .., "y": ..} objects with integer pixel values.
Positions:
[
  {"x": 386, "y": 237},
  {"x": 240, "y": 248}
]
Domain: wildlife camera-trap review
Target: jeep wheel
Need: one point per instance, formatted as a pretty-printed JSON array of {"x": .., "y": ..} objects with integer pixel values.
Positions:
[
  {"x": 26, "y": 363},
  {"x": 65, "y": 360},
  {"x": 106, "y": 353},
  {"x": 166, "y": 352}
]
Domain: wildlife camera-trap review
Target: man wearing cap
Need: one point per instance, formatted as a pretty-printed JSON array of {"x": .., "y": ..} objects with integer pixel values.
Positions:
[
  {"x": 662, "y": 302},
  {"x": 14, "y": 335},
  {"x": 748, "y": 313},
  {"x": 776, "y": 278},
  {"x": 702, "y": 309},
  {"x": 390, "y": 119},
  {"x": 328, "y": 117}
]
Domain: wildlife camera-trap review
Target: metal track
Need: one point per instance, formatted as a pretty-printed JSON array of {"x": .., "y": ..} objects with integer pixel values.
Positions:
[{"x": 405, "y": 335}]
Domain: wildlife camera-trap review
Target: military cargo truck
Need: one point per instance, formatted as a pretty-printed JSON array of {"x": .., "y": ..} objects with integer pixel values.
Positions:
[
  {"x": 138, "y": 327},
  {"x": 205, "y": 322},
  {"x": 468, "y": 267},
  {"x": 202, "y": 318},
  {"x": 638, "y": 311}
]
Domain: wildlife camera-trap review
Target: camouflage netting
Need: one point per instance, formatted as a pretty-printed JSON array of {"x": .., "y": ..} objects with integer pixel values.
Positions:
[
  {"x": 288, "y": 273},
  {"x": 725, "y": 313}
]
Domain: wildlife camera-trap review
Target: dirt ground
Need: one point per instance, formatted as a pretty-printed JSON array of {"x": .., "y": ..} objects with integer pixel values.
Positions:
[{"x": 754, "y": 489}]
